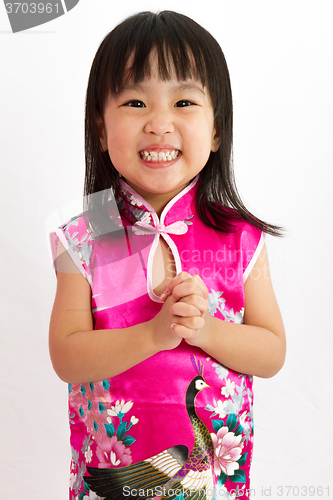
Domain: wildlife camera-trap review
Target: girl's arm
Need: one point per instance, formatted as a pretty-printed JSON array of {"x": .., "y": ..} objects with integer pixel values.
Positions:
[
  {"x": 80, "y": 354},
  {"x": 256, "y": 347}
]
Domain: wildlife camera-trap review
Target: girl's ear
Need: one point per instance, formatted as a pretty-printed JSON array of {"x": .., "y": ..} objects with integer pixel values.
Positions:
[
  {"x": 102, "y": 134},
  {"x": 216, "y": 140}
]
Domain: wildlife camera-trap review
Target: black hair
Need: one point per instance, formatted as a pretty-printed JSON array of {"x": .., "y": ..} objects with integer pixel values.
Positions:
[{"x": 183, "y": 46}]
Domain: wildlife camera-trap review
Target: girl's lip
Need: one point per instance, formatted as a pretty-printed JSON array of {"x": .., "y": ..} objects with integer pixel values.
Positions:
[
  {"x": 159, "y": 156},
  {"x": 159, "y": 147}
]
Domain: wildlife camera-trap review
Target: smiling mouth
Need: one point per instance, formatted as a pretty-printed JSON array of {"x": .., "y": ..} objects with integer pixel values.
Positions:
[{"x": 161, "y": 156}]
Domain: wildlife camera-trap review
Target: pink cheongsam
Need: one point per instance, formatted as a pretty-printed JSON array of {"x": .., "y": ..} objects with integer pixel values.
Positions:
[{"x": 179, "y": 424}]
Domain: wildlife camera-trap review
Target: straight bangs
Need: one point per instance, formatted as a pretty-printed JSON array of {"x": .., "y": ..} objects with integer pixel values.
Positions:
[{"x": 172, "y": 37}]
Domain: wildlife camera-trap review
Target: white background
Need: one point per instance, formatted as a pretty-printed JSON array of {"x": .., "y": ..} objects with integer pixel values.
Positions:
[{"x": 280, "y": 59}]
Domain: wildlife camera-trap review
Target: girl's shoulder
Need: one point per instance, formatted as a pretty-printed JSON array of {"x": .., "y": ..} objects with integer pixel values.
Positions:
[
  {"x": 78, "y": 222},
  {"x": 77, "y": 240}
]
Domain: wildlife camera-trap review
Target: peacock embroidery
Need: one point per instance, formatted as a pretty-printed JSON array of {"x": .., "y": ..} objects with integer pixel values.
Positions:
[{"x": 170, "y": 472}]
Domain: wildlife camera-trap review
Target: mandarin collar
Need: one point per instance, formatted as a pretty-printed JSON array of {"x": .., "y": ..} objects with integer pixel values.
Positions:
[{"x": 133, "y": 207}]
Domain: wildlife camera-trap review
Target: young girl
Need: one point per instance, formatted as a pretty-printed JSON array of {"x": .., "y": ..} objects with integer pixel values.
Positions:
[{"x": 164, "y": 307}]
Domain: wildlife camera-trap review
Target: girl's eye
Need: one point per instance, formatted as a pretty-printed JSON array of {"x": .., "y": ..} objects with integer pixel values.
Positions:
[
  {"x": 135, "y": 104},
  {"x": 183, "y": 103}
]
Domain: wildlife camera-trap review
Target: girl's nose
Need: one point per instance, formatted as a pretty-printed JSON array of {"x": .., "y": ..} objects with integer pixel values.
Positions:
[{"x": 159, "y": 123}]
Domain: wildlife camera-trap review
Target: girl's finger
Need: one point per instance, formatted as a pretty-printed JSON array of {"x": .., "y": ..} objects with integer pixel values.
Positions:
[
  {"x": 199, "y": 283},
  {"x": 188, "y": 327},
  {"x": 189, "y": 287},
  {"x": 196, "y": 301},
  {"x": 185, "y": 310},
  {"x": 174, "y": 282},
  {"x": 202, "y": 285}
]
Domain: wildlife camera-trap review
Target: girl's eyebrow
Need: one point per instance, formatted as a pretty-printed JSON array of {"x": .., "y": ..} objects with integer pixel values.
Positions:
[
  {"x": 182, "y": 86},
  {"x": 189, "y": 86}
]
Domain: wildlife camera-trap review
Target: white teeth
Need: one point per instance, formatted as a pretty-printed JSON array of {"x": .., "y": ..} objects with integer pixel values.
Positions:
[{"x": 159, "y": 157}]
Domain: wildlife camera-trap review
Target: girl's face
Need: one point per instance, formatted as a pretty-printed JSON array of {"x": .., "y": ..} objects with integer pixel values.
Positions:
[{"x": 159, "y": 134}]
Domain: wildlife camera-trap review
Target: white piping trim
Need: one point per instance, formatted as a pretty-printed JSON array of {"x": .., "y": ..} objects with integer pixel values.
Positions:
[
  {"x": 151, "y": 256},
  {"x": 177, "y": 197},
  {"x": 166, "y": 237},
  {"x": 254, "y": 257},
  {"x": 75, "y": 258},
  {"x": 174, "y": 251}
]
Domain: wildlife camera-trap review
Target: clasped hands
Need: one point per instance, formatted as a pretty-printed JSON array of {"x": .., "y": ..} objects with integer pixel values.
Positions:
[{"x": 184, "y": 314}]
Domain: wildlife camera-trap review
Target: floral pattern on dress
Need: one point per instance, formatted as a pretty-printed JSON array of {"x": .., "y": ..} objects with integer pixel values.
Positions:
[
  {"x": 107, "y": 436},
  {"x": 229, "y": 459},
  {"x": 217, "y": 303},
  {"x": 82, "y": 248},
  {"x": 233, "y": 430},
  {"x": 229, "y": 442}
]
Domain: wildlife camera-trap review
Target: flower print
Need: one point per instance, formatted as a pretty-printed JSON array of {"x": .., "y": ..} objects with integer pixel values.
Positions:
[
  {"x": 227, "y": 450},
  {"x": 71, "y": 416},
  {"x": 138, "y": 213},
  {"x": 120, "y": 455},
  {"x": 92, "y": 496},
  {"x": 247, "y": 434},
  {"x": 113, "y": 458},
  {"x": 72, "y": 479},
  {"x": 146, "y": 218},
  {"x": 135, "y": 201},
  {"x": 221, "y": 371},
  {"x": 239, "y": 316},
  {"x": 220, "y": 409},
  {"x": 233, "y": 317},
  {"x": 82, "y": 248},
  {"x": 79, "y": 478},
  {"x": 86, "y": 443},
  {"x": 187, "y": 220},
  {"x": 247, "y": 427},
  {"x": 119, "y": 408},
  {"x": 230, "y": 407},
  {"x": 71, "y": 238},
  {"x": 75, "y": 457},
  {"x": 85, "y": 252},
  {"x": 134, "y": 420},
  {"x": 242, "y": 418},
  {"x": 229, "y": 388},
  {"x": 214, "y": 301},
  {"x": 239, "y": 398},
  {"x": 88, "y": 454}
]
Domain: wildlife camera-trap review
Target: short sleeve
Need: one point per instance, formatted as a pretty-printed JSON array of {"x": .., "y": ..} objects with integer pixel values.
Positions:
[
  {"x": 78, "y": 242},
  {"x": 252, "y": 242}
]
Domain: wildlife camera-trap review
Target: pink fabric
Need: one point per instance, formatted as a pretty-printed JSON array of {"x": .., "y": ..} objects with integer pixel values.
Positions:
[
  {"x": 142, "y": 228},
  {"x": 150, "y": 397}
]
